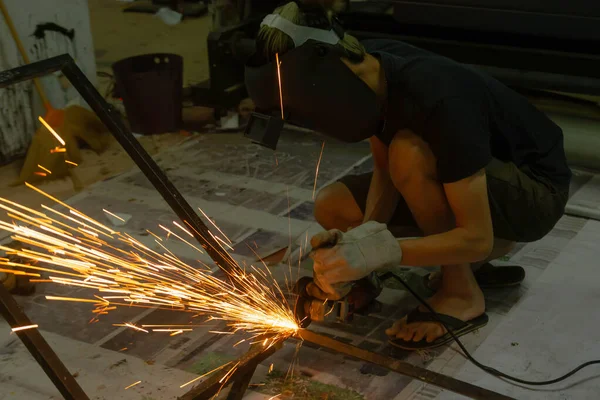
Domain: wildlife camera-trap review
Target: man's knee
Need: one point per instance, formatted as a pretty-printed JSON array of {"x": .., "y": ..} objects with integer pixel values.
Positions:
[
  {"x": 410, "y": 159},
  {"x": 335, "y": 207}
]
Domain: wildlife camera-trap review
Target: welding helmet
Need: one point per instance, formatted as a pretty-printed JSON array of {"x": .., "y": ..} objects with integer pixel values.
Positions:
[{"x": 317, "y": 89}]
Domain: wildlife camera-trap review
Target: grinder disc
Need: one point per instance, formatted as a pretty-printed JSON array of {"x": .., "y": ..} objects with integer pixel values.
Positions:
[{"x": 302, "y": 302}]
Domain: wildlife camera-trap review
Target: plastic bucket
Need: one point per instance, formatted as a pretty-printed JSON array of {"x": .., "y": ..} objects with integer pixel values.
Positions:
[{"x": 151, "y": 88}]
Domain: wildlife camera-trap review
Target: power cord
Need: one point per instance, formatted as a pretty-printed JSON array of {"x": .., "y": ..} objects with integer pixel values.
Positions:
[{"x": 485, "y": 368}]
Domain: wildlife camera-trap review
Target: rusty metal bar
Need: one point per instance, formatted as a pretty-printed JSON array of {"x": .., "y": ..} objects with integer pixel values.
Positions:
[
  {"x": 248, "y": 362},
  {"x": 33, "y": 70},
  {"x": 240, "y": 385},
  {"x": 216, "y": 382},
  {"x": 403, "y": 368},
  {"x": 40, "y": 349}
]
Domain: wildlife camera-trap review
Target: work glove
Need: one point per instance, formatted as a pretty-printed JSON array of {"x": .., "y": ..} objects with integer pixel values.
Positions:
[{"x": 342, "y": 258}]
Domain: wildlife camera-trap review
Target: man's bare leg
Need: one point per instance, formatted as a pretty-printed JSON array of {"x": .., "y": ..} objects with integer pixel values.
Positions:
[
  {"x": 413, "y": 171},
  {"x": 501, "y": 248},
  {"x": 335, "y": 208}
]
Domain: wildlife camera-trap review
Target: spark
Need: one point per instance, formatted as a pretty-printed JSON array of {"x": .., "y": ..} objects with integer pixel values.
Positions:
[
  {"x": 170, "y": 232},
  {"x": 206, "y": 374},
  {"x": 182, "y": 228},
  {"x": 52, "y": 131},
  {"x": 23, "y": 328},
  {"x": 17, "y": 272},
  {"x": 156, "y": 236},
  {"x": 133, "y": 384},
  {"x": 71, "y": 163},
  {"x": 229, "y": 373},
  {"x": 44, "y": 169},
  {"x": 330, "y": 311},
  {"x": 78, "y": 251},
  {"x": 218, "y": 239},
  {"x": 279, "y": 80},
  {"x": 113, "y": 215},
  {"x": 317, "y": 170},
  {"x": 67, "y": 206},
  {"x": 271, "y": 368},
  {"x": 213, "y": 224},
  {"x": 58, "y": 150},
  {"x": 132, "y": 326},
  {"x": 103, "y": 310},
  {"x": 71, "y": 299},
  {"x": 40, "y": 173},
  {"x": 176, "y": 332}
]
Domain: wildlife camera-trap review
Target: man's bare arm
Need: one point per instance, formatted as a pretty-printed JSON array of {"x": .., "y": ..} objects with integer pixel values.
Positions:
[{"x": 471, "y": 239}]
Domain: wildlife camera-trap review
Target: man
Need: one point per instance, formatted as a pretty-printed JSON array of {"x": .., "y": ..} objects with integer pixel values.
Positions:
[{"x": 459, "y": 158}]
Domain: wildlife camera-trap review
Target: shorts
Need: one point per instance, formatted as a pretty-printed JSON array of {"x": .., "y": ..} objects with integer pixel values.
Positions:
[{"x": 524, "y": 207}]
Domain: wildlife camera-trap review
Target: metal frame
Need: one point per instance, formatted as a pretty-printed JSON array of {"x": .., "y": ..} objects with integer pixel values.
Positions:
[{"x": 240, "y": 378}]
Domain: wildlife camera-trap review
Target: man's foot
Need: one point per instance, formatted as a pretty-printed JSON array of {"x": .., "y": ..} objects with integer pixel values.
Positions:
[{"x": 466, "y": 306}]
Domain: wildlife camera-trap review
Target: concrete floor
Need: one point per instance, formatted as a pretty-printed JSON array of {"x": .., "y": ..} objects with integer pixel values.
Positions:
[
  {"x": 246, "y": 192},
  {"x": 537, "y": 331}
]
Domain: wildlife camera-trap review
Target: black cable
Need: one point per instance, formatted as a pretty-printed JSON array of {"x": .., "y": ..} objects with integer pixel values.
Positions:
[{"x": 485, "y": 368}]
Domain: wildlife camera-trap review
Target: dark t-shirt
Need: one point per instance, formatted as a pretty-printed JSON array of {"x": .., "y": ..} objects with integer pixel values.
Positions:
[{"x": 465, "y": 116}]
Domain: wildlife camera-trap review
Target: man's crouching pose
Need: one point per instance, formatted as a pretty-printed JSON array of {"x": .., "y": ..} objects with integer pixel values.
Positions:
[{"x": 461, "y": 160}]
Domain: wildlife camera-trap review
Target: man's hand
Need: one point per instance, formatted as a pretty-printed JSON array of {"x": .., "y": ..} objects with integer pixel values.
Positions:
[{"x": 351, "y": 256}]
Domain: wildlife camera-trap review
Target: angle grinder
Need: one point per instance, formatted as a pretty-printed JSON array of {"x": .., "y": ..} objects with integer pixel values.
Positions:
[{"x": 360, "y": 300}]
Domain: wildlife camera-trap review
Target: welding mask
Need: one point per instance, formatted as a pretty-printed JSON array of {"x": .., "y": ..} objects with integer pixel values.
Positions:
[{"x": 317, "y": 89}]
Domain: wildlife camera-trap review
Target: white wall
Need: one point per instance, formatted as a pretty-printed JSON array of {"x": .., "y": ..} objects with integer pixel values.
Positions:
[{"x": 20, "y": 105}]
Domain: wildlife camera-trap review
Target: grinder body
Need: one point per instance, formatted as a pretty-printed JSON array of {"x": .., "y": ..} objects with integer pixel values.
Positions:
[{"x": 360, "y": 300}]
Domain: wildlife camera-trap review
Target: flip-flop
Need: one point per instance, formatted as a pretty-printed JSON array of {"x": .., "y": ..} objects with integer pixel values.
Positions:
[
  {"x": 459, "y": 328},
  {"x": 490, "y": 277}
]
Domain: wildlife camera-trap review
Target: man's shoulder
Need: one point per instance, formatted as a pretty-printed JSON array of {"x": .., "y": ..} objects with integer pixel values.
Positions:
[
  {"x": 393, "y": 47},
  {"x": 404, "y": 62}
]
